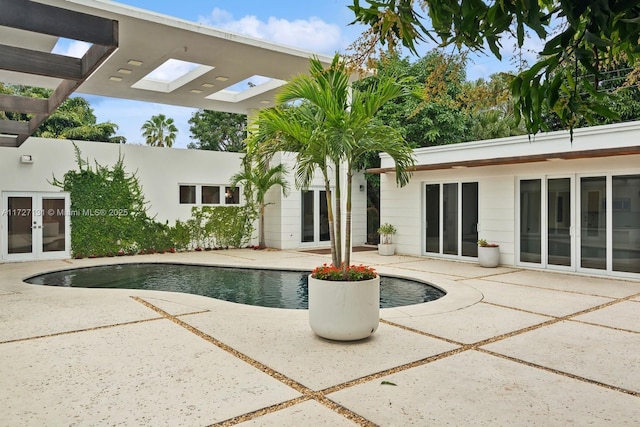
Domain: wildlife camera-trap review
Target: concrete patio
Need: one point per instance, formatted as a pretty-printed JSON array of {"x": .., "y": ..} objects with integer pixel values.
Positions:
[{"x": 505, "y": 347}]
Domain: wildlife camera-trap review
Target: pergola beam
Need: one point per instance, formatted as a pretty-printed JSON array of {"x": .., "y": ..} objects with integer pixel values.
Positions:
[
  {"x": 13, "y": 127},
  {"x": 23, "y": 104},
  {"x": 44, "y": 19},
  {"x": 40, "y": 63}
]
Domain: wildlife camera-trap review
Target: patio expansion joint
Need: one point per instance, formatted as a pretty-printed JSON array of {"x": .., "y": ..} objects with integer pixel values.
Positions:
[
  {"x": 77, "y": 331},
  {"x": 307, "y": 393},
  {"x": 568, "y": 291}
]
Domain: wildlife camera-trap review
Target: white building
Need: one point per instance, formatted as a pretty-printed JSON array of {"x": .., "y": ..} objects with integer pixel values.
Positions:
[
  {"x": 549, "y": 203},
  {"x": 35, "y": 220},
  {"x": 129, "y": 47}
]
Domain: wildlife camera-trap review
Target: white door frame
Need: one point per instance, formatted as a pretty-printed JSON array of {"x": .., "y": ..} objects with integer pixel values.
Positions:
[
  {"x": 39, "y": 232},
  {"x": 544, "y": 222},
  {"x": 317, "y": 191}
]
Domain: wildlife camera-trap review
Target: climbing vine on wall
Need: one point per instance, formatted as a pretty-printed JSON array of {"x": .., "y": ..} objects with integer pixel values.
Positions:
[
  {"x": 109, "y": 217},
  {"x": 212, "y": 227},
  {"x": 109, "y": 212}
]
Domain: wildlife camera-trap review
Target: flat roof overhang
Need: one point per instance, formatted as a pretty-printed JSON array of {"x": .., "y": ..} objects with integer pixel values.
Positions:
[
  {"x": 500, "y": 161},
  {"x": 144, "y": 40}
]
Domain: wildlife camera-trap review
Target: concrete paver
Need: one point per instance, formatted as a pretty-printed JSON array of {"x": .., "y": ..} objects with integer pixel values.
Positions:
[
  {"x": 543, "y": 301},
  {"x": 624, "y": 315},
  {"x": 473, "y": 324},
  {"x": 309, "y": 413},
  {"x": 129, "y": 375},
  {"x": 609, "y": 356},
  {"x": 571, "y": 283},
  {"x": 506, "y": 346},
  {"x": 475, "y": 389},
  {"x": 315, "y": 362}
]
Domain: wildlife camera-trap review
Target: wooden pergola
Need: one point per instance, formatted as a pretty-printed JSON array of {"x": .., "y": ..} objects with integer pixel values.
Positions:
[{"x": 40, "y": 18}]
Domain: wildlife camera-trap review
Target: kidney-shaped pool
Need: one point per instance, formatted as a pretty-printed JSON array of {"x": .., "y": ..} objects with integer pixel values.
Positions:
[{"x": 261, "y": 287}]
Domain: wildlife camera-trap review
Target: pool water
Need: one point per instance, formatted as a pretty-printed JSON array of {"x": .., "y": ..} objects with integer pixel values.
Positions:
[{"x": 266, "y": 288}]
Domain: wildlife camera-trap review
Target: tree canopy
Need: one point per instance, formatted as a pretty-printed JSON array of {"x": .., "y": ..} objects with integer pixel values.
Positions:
[
  {"x": 583, "y": 40},
  {"x": 218, "y": 131},
  {"x": 434, "y": 114},
  {"x": 74, "y": 119},
  {"x": 159, "y": 131}
]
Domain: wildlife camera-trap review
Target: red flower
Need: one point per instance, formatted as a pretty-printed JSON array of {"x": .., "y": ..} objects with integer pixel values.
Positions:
[{"x": 354, "y": 273}]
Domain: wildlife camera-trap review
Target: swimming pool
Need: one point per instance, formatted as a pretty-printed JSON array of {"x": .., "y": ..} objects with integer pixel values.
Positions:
[{"x": 261, "y": 287}]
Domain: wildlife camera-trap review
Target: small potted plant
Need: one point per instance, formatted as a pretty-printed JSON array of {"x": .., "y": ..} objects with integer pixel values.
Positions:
[
  {"x": 488, "y": 253},
  {"x": 386, "y": 246}
]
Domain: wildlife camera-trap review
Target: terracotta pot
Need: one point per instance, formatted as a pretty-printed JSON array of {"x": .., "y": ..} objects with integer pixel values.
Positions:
[{"x": 344, "y": 311}]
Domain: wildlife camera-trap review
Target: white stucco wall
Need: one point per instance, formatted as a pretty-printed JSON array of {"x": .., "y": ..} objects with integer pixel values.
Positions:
[
  {"x": 497, "y": 185},
  {"x": 159, "y": 170},
  {"x": 283, "y": 218}
]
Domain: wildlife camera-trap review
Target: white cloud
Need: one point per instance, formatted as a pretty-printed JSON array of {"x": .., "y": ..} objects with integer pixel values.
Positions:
[{"x": 312, "y": 34}]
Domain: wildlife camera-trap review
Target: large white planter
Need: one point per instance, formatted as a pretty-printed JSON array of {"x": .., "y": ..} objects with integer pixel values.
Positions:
[
  {"x": 489, "y": 256},
  {"x": 344, "y": 311},
  {"x": 386, "y": 249}
]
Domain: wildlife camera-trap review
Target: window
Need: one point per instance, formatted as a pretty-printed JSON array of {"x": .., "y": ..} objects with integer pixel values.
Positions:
[
  {"x": 187, "y": 194},
  {"x": 231, "y": 196},
  {"x": 210, "y": 195}
]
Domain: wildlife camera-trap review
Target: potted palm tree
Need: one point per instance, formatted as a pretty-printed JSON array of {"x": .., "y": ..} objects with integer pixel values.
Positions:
[
  {"x": 488, "y": 254},
  {"x": 331, "y": 128},
  {"x": 386, "y": 246}
]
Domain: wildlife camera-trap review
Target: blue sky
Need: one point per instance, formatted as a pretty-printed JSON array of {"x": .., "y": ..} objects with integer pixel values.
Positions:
[{"x": 319, "y": 26}]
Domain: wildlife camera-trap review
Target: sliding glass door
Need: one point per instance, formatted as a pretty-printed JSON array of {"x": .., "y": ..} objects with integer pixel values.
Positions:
[
  {"x": 545, "y": 222},
  {"x": 451, "y": 219},
  {"x": 593, "y": 223},
  {"x": 588, "y": 224},
  {"x": 610, "y": 223}
]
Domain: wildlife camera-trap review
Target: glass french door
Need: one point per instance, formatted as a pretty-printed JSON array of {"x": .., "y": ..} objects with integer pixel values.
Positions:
[
  {"x": 610, "y": 223},
  {"x": 314, "y": 217},
  {"x": 35, "y": 226},
  {"x": 451, "y": 219},
  {"x": 545, "y": 222}
]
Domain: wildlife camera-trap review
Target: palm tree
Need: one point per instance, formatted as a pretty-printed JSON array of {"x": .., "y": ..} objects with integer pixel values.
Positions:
[
  {"x": 159, "y": 131},
  {"x": 331, "y": 127},
  {"x": 261, "y": 178}
]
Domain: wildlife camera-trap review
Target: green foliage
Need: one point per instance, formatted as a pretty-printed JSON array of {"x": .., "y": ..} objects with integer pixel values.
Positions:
[
  {"x": 74, "y": 119},
  {"x": 427, "y": 118},
  {"x": 258, "y": 179},
  {"x": 109, "y": 213},
  {"x": 332, "y": 129},
  {"x": 109, "y": 217},
  {"x": 213, "y": 227},
  {"x": 218, "y": 131},
  {"x": 594, "y": 35},
  {"x": 159, "y": 131}
]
